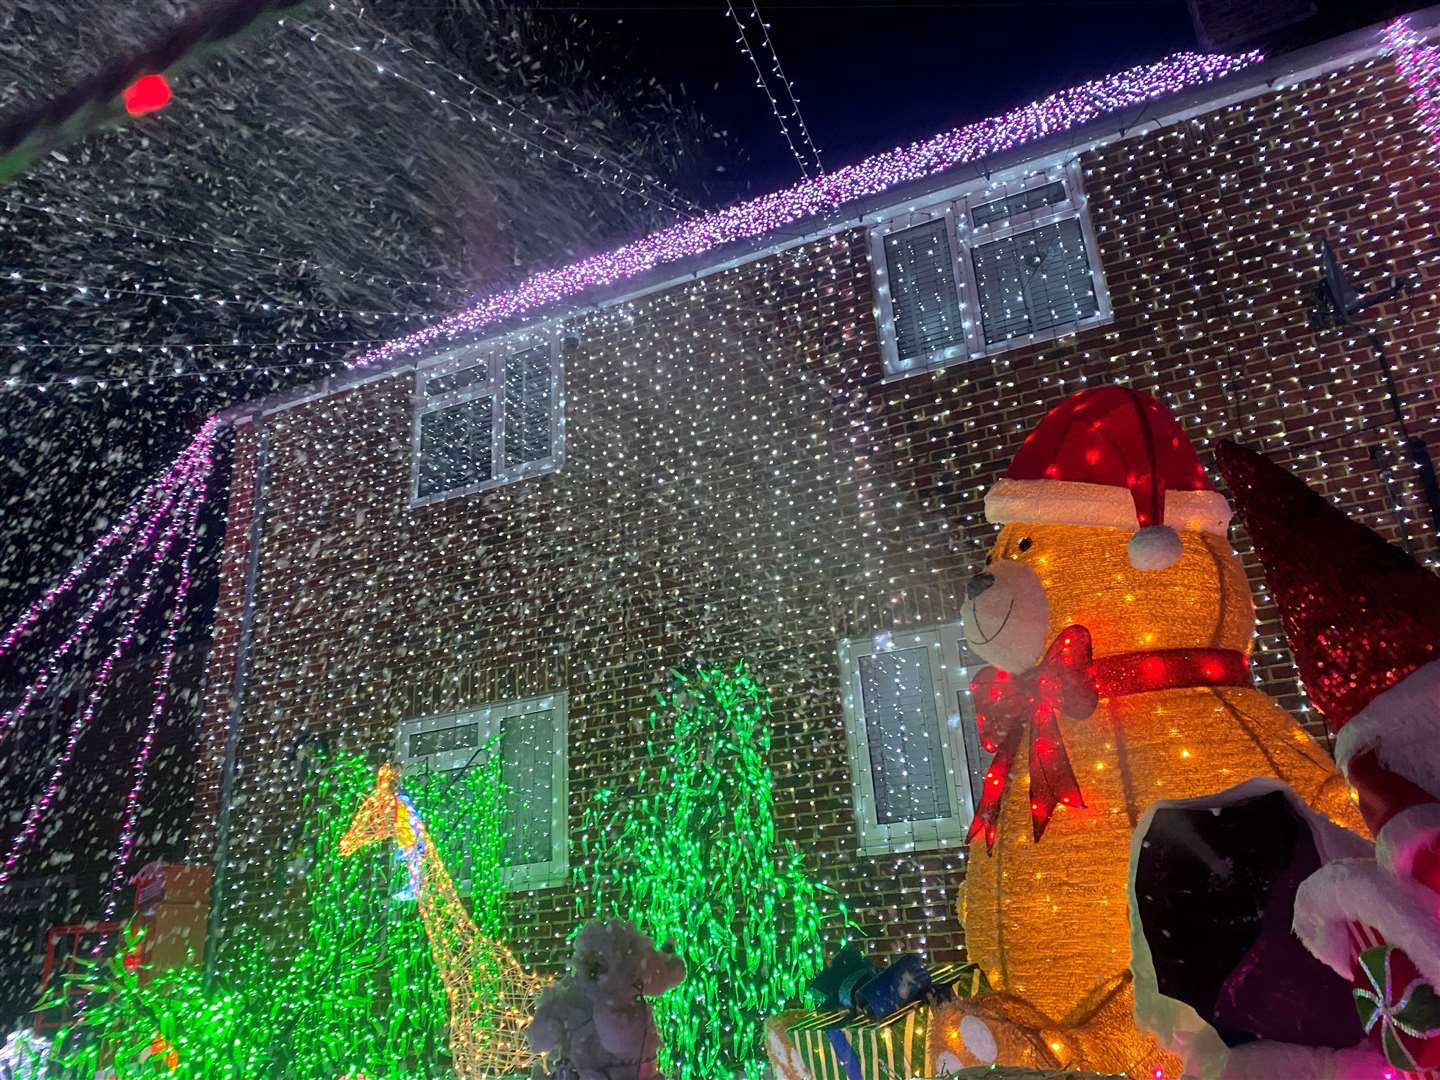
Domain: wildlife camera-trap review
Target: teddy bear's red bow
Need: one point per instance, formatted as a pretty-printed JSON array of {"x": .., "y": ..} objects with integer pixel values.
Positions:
[{"x": 1007, "y": 705}]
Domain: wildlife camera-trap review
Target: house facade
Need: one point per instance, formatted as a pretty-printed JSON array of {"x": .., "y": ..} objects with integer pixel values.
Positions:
[{"x": 781, "y": 454}]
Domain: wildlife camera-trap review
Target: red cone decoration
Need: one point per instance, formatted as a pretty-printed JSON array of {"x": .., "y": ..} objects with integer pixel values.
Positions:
[{"x": 1360, "y": 614}]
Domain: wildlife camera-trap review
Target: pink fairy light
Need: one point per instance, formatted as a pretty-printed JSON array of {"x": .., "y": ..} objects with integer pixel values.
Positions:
[
  {"x": 1419, "y": 63},
  {"x": 54, "y": 594},
  {"x": 122, "y": 528},
  {"x": 185, "y": 465},
  {"x": 78, "y": 727},
  {"x": 129, "y": 820},
  {"x": 1059, "y": 112}
]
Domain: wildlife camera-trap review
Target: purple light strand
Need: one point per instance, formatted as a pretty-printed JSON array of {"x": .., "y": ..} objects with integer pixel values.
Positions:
[
  {"x": 81, "y": 723},
  {"x": 816, "y": 195},
  {"x": 122, "y": 528},
  {"x": 129, "y": 822},
  {"x": 51, "y": 664},
  {"x": 1419, "y": 63}
]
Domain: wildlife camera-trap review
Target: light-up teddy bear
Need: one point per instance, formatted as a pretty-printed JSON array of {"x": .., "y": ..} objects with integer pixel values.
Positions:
[
  {"x": 1119, "y": 622},
  {"x": 596, "y": 1024}
]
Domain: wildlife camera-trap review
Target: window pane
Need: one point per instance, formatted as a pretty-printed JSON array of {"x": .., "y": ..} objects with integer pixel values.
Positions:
[
  {"x": 457, "y": 446},
  {"x": 458, "y": 380},
  {"x": 528, "y": 388},
  {"x": 1034, "y": 281},
  {"x": 976, "y": 755},
  {"x": 527, "y": 749},
  {"x": 459, "y": 737},
  {"x": 907, "y": 762},
  {"x": 1002, "y": 210},
  {"x": 921, "y": 268}
]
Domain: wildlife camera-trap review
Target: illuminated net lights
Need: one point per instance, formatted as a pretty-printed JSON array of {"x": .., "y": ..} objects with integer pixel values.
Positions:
[
  {"x": 692, "y": 855},
  {"x": 304, "y": 1004},
  {"x": 490, "y": 995}
]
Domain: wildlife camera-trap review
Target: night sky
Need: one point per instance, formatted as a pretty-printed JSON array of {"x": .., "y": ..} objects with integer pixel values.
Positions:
[{"x": 872, "y": 75}]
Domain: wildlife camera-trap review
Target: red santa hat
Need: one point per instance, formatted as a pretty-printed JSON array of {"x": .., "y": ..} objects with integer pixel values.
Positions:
[
  {"x": 1363, "y": 621},
  {"x": 1113, "y": 457}
]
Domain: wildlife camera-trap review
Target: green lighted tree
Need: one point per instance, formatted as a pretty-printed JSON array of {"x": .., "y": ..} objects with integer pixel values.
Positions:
[{"x": 695, "y": 857}]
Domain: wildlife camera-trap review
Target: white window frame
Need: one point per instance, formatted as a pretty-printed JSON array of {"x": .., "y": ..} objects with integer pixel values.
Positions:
[
  {"x": 964, "y": 237},
  {"x": 952, "y": 667},
  {"x": 488, "y": 718},
  {"x": 490, "y": 354}
]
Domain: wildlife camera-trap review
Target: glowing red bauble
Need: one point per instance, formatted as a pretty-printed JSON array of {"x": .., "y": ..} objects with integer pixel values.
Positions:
[{"x": 146, "y": 94}]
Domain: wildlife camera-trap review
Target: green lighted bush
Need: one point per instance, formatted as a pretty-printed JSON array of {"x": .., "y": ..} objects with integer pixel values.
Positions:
[{"x": 694, "y": 856}]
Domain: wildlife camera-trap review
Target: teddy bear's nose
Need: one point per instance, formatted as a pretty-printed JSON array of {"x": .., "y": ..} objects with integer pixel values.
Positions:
[{"x": 978, "y": 584}]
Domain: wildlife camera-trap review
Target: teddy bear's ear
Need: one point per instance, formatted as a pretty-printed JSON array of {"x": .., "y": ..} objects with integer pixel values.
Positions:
[{"x": 1155, "y": 547}]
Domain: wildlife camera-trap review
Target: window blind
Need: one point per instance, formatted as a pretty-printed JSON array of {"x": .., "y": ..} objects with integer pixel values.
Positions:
[
  {"x": 1034, "y": 281},
  {"x": 529, "y": 384},
  {"x": 920, "y": 265},
  {"x": 902, "y": 730},
  {"x": 464, "y": 736},
  {"x": 527, "y": 742},
  {"x": 457, "y": 446},
  {"x": 458, "y": 380}
]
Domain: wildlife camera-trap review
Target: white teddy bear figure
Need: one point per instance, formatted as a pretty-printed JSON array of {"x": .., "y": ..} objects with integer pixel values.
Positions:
[{"x": 595, "y": 1023}]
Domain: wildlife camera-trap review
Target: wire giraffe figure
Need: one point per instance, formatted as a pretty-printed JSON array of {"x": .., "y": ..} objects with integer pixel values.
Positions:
[{"x": 490, "y": 996}]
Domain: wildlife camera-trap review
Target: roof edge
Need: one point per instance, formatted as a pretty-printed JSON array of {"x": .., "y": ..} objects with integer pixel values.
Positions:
[{"x": 1250, "y": 81}]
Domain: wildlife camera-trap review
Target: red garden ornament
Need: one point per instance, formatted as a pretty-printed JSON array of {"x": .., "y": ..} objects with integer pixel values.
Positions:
[{"x": 147, "y": 94}]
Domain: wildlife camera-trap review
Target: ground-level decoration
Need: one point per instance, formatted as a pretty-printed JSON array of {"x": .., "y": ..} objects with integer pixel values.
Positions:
[
  {"x": 490, "y": 995},
  {"x": 596, "y": 1023},
  {"x": 1109, "y": 525},
  {"x": 298, "y": 989},
  {"x": 844, "y": 1041},
  {"x": 691, "y": 854},
  {"x": 1323, "y": 957}
]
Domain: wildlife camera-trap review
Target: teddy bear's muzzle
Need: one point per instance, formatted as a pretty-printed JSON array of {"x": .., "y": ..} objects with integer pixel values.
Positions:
[{"x": 1006, "y": 613}]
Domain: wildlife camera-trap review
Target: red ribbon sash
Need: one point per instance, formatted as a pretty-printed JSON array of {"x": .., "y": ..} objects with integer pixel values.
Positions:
[{"x": 1008, "y": 707}]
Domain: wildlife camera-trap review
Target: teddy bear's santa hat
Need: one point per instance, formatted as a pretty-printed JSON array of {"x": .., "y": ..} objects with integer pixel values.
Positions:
[
  {"x": 1363, "y": 621},
  {"x": 1113, "y": 457}
]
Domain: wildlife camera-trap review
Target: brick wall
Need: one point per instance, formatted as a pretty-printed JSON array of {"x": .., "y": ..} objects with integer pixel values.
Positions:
[{"x": 740, "y": 480}]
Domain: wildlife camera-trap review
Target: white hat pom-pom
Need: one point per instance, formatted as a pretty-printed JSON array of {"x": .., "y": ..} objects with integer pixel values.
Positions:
[{"x": 1155, "y": 547}]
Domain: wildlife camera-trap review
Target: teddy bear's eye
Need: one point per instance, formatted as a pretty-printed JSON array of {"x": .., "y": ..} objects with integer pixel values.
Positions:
[{"x": 1025, "y": 543}]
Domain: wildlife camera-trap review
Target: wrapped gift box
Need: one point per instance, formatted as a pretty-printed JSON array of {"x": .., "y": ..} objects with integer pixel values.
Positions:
[{"x": 841, "y": 1045}]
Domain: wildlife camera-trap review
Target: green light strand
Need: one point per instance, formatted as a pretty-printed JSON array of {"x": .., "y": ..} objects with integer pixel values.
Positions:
[{"x": 694, "y": 856}]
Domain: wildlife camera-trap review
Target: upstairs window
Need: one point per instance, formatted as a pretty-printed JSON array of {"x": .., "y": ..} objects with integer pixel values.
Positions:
[
  {"x": 915, "y": 757},
  {"x": 990, "y": 271},
  {"x": 487, "y": 415},
  {"x": 530, "y": 737}
]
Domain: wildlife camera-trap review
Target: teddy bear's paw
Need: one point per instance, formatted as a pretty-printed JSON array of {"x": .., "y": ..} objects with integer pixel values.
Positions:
[
  {"x": 992, "y": 1029},
  {"x": 977, "y": 1038}
]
